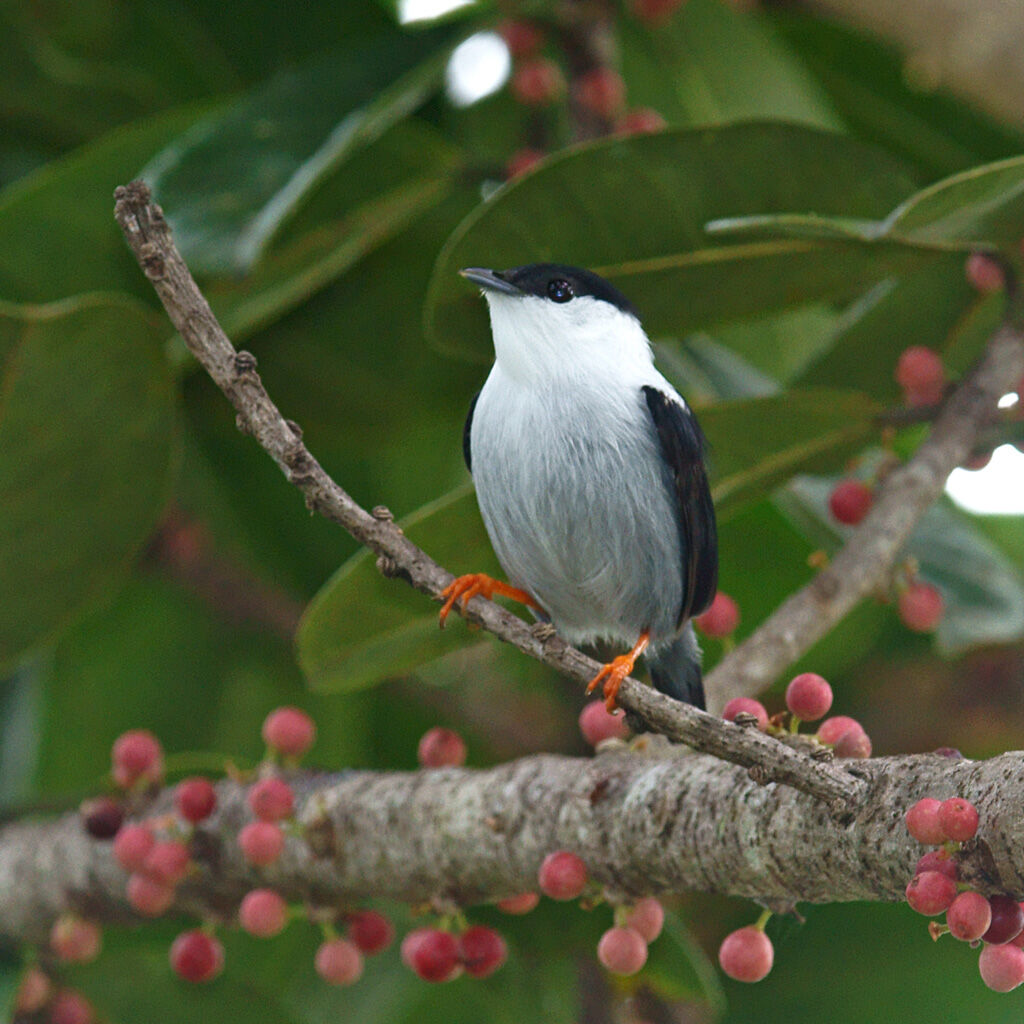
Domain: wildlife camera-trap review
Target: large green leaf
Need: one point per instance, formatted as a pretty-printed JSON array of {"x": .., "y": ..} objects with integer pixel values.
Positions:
[
  {"x": 86, "y": 442},
  {"x": 231, "y": 182},
  {"x": 634, "y": 209}
]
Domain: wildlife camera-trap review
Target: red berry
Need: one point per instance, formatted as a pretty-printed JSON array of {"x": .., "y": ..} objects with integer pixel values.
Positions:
[
  {"x": 1007, "y": 920},
  {"x": 1001, "y": 967},
  {"x": 931, "y": 892},
  {"x": 339, "y": 962},
  {"x": 746, "y": 954},
  {"x": 289, "y": 731},
  {"x": 537, "y": 82},
  {"x": 984, "y": 273},
  {"x": 853, "y": 743},
  {"x": 521, "y": 37},
  {"x": 132, "y": 845},
  {"x": 433, "y": 954},
  {"x": 923, "y": 822},
  {"x": 850, "y": 501},
  {"x": 721, "y": 618},
  {"x": 938, "y": 860},
  {"x": 521, "y": 904},
  {"x": 75, "y": 940},
  {"x": 969, "y": 916},
  {"x": 370, "y": 931},
  {"x": 102, "y": 817},
  {"x": 562, "y": 875},
  {"x": 34, "y": 991},
  {"x": 167, "y": 862},
  {"x": 832, "y": 729},
  {"x": 149, "y": 896},
  {"x": 641, "y": 121},
  {"x": 809, "y": 697},
  {"x": 958, "y": 819},
  {"x": 601, "y": 91},
  {"x": 921, "y": 607},
  {"x": 261, "y": 842},
  {"x": 921, "y": 375},
  {"x": 195, "y": 799},
  {"x": 750, "y": 707},
  {"x": 271, "y": 799},
  {"x": 137, "y": 756},
  {"x": 646, "y": 917},
  {"x": 622, "y": 950},
  {"x": 441, "y": 748},
  {"x": 482, "y": 951},
  {"x": 263, "y": 913},
  {"x": 521, "y": 161},
  {"x": 71, "y": 1007},
  {"x": 598, "y": 724},
  {"x": 196, "y": 956},
  {"x": 655, "y": 10}
]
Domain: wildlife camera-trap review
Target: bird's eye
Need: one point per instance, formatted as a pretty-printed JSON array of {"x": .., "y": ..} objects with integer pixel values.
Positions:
[{"x": 559, "y": 290}]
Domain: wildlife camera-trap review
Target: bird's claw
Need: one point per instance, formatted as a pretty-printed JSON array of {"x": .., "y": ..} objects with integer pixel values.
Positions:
[
  {"x": 616, "y": 670},
  {"x": 464, "y": 588}
]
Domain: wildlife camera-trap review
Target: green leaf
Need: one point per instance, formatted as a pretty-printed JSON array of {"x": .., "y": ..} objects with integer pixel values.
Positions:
[
  {"x": 231, "y": 182},
  {"x": 574, "y": 209},
  {"x": 86, "y": 444}
]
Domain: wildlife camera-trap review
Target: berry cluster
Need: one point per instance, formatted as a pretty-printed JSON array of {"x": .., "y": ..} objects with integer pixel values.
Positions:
[{"x": 995, "y": 922}]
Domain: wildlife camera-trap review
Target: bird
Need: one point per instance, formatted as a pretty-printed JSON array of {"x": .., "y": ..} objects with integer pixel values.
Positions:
[{"x": 589, "y": 471}]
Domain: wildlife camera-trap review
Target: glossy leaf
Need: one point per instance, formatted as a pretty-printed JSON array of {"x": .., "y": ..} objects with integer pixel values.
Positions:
[
  {"x": 86, "y": 442},
  {"x": 634, "y": 210},
  {"x": 296, "y": 129}
]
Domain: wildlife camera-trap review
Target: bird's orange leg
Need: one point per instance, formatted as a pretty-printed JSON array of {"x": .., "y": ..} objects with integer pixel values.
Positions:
[
  {"x": 464, "y": 588},
  {"x": 616, "y": 670}
]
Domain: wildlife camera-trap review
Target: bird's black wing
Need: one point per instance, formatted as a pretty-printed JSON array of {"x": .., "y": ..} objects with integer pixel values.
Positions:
[
  {"x": 683, "y": 447},
  {"x": 466, "y": 453}
]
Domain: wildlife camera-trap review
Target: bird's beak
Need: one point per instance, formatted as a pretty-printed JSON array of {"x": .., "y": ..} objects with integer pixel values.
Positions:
[{"x": 489, "y": 280}]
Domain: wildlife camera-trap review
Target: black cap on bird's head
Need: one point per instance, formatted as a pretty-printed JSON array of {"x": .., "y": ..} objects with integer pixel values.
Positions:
[{"x": 555, "y": 282}]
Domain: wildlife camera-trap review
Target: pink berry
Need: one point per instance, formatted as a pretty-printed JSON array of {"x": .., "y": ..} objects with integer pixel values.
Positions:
[
  {"x": 195, "y": 799},
  {"x": 482, "y": 951},
  {"x": 289, "y": 731},
  {"x": 641, "y": 121},
  {"x": 921, "y": 607},
  {"x": 34, "y": 991},
  {"x": 1001, "y": 967},
  {"x": 149, "y": 896},
  {"x": 969, "y": 916},
  {"x": 1007, "y": 920},
  {"x": 749, "y": 706},
  {"x": 655, "y": 10},
  {"x": 271, "y": 799},
  {"x": 167, "y": 862},
  {"x": 70, "y": 1007},
  {"x": 646, "y": 917},
  {"x": 923, "y": 822},
  {"x": 931, "y": 892},
  {"x": 598, "y": 724},
  {"x": 196, "y": 956},
  {"x": 370, "y": 931},
  {"x": 432, "y": 954},
  {"x": 958, "y": 818},
  {"x": 339, "y": 962},
  {"x": 537, "y": 82},
  {"x": 102, "y": 817},
  {"x": 850, "y": 501},
  {"x": 601, "y": 91},
  {"x": 522, "y": 38},
  {"x": 832, "y": 729},
  {"x": 521, "y": 904},
  {"x": 261, "y": 842},
  {"x": 622, "y": 950},
  {"x": 562, "y": 875},
  {"x": 921, "y": 375},
  {"x": 137, "y": 756},
  {"x": 132, "y": 845},
  {"x": 75, "y": 940},
  {"x": 809, "y": 697},
  {"x": 984, "y": 273},
  {"x": 441, "y": 748},
  {"x": 521, "y": 161},
  {"x": 746, "y": 954},
  {"x": 853, "y": 743},
  {"x": 263, "y": 913},
  {"x": 938, "y": 860},
  {"x": 721, "y": 619}
]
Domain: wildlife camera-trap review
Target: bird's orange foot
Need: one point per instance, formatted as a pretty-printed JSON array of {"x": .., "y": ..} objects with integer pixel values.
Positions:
[
  {"x": 616, "y": 670},
  {"x": 464, "y": 588}
]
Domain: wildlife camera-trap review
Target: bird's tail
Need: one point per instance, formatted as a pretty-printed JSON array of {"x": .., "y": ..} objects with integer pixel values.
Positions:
[{"x": 675, "y": 668}]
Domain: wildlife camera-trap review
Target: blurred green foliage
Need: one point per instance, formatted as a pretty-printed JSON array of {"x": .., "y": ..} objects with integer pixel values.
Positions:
[{"x": 155, "y": 564}]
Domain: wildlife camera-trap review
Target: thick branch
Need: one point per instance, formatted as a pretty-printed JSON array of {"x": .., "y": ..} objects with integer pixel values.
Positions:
[
  {"x": 644, "y": 825},
  {"x": 234, "y": 372}
]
